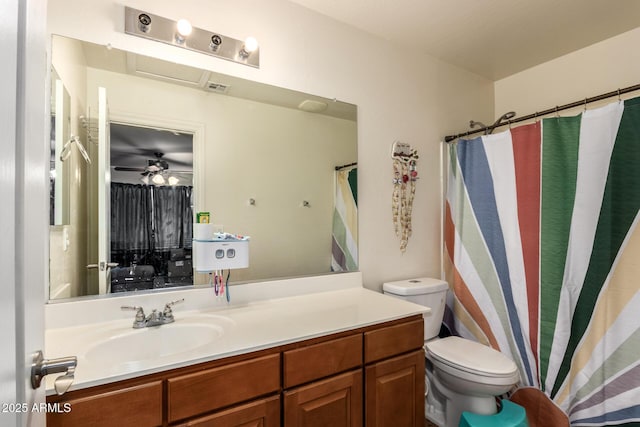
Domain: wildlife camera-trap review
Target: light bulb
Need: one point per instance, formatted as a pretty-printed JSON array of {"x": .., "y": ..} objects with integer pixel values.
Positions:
[
  {"x": 184, "y": 27},
  {"x": 173, "y": 180},
  {"x": 250, "y": 44},
  {"x": 158, "y": 179}
]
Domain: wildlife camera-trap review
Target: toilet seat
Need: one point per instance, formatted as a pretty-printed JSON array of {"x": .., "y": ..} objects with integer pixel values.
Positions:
[{"x": 472, "y": 360}]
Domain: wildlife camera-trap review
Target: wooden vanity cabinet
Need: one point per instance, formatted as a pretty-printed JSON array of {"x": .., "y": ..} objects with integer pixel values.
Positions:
[
  {"x": 259, "y": 413},
  {"x": 244, "y": 390},
  {"x": 330, "y": 396},
  {"x": 212, "y": 389},
  {"x": 394, "y": 375},
  {"x": 311, "y": 362},
  {"x": 121, "y": 405},
  {"x": 394, "y": 391},
  {"x": 336, "y": 401},
  {"x": 371, "y": 376}
]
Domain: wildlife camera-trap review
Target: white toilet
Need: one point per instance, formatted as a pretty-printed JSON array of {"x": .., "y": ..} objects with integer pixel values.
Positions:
[{"x": 462, "y": 375}]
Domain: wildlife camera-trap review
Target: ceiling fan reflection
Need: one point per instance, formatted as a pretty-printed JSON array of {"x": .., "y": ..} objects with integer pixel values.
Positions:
[{"x": 156, "y": 172}]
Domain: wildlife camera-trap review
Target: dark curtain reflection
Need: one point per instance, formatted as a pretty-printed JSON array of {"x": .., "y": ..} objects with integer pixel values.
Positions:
[
  {"x": 172, "y": 217},
  {"x": 150, "y": 237},
  {"x": 131, "y": 218},
  {"x": 147, "y": 218}
]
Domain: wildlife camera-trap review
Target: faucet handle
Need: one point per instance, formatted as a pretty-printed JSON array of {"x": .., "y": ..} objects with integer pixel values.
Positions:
[
  {"x": 140, "y": 317},
  {"x": 167, "y": 312},
  {"x": 169, "y": 304},
  {"x": 139, "y": 309}
]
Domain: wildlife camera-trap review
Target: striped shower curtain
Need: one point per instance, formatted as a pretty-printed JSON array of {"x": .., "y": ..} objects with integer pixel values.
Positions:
[
  {"x": 543, "y": 256},
  {"x": 344, "y": 242}
]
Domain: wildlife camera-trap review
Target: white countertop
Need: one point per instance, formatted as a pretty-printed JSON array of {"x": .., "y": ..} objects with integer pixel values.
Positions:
[{"x": 249, "y": 327}]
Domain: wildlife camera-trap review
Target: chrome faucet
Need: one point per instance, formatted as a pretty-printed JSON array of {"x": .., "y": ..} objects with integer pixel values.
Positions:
[{"x": 155, "y": 318}]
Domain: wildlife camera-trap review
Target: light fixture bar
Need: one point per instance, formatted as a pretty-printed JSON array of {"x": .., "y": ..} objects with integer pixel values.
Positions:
[{"x": 143, "y": 24}]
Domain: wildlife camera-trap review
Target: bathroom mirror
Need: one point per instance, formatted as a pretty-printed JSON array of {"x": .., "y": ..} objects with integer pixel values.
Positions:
[{"x": 264, "y": 159}]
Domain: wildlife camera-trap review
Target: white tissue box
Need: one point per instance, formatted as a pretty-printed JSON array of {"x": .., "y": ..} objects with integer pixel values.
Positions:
[{"x": 205, "y": 231}]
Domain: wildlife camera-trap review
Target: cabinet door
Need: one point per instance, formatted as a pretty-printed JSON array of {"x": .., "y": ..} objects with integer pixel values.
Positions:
[
  {"x": 394, "y": 392},
  {"x": 261, "y": 413},
  {"x": 136, "y": 406},
  {"x": 335, "y": 402}
]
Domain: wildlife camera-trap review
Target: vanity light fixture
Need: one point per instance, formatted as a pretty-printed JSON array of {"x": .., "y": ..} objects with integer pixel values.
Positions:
[{"x": 182, "y": 34}]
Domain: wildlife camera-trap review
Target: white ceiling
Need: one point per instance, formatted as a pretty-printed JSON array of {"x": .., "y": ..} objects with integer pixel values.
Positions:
[{"x": 492, "y": 38}]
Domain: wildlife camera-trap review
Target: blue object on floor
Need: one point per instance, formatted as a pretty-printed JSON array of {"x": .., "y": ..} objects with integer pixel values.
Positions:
[{"x": 510, "y": 415}]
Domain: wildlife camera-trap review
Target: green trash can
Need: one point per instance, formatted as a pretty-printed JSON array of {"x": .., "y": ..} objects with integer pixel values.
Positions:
[{"x": 510, "y": 415}]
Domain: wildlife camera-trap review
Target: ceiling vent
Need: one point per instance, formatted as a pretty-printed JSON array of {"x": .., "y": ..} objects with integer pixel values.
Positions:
[{"x": 217, "y": 87}]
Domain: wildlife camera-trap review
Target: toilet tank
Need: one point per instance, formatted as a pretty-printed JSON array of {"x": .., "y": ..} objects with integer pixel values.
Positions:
[{"x": 425, "y": 291}]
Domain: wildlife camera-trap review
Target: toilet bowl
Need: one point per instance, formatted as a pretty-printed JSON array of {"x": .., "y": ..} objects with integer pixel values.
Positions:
[
  {"x": 470, "y": 375},
  {"x": 467, "y": 366},
  {"x": 462, "y": 375}
]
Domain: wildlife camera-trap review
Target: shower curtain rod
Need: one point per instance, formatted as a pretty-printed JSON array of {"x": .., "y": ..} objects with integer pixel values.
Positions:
[
  {"x": 556, "y": 109},
  {"x": 346, "y": 166}
]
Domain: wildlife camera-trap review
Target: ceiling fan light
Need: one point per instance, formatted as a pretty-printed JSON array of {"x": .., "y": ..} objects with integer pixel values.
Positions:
[{"x": 158, "y": 179}]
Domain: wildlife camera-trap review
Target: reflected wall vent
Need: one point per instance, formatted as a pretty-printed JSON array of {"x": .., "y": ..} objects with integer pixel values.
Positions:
[{"x": 217, "y": 87}]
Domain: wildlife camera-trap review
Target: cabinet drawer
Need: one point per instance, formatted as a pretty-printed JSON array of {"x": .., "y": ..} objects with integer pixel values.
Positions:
[
  {"x": 392, "y": 340},
  {"x": 135, "y": 406},
  {"x": 321, "y": 360},
  {"x": 200, "y": 392},
  {"x": 263, "y": 412}
]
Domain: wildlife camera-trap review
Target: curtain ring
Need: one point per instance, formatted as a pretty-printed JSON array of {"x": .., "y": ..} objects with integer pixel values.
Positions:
[
  {"x": 585, "y": 104},
  {"x": 535, "y": 117},
  {"x": 557, "y": 115},
  {"x": 619, "y": 99}
]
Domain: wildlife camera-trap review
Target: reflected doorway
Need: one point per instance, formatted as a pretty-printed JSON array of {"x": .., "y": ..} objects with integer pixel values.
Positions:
[{"x": 151, "y": 207}]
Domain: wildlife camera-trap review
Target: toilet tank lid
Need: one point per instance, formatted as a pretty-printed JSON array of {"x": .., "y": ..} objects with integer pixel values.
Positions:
[{"x": 422, "y": 285}]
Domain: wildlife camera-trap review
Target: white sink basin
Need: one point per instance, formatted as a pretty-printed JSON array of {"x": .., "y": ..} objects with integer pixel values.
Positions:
[{"x": 132, "y": 349}]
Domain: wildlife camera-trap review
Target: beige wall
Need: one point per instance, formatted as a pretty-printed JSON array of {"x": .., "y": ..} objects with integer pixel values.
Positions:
[
  {"x": 280, "y": 157},
  {"x": 400, "y": 95},
  {"x": 600, "y": 68}
]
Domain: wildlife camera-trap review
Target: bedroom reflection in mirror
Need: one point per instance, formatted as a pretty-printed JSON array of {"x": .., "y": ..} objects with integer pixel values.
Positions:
[{"x": 151, "y": 208}]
